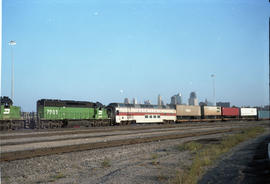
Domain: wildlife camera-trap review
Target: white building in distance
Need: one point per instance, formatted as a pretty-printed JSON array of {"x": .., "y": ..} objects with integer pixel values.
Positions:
[
  {"x": 176, "y": 99},
  {"x": 159, "y": 101}
]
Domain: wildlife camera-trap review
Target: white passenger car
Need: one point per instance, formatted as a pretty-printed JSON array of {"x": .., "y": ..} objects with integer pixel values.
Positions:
[{"x": 141, "y": 113}]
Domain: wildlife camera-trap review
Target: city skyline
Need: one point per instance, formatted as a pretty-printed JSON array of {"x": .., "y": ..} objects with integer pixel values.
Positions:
[{"x": 89, "y": 51}]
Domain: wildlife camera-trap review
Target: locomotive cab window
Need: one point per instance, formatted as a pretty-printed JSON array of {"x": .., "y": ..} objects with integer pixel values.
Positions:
[{"x": 117, "y": 112}]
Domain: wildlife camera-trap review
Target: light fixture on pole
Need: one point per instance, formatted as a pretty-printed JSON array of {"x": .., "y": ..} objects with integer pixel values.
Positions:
[
  {"x": 12, "y": 43},
  {"x": 214, "y": 92}
]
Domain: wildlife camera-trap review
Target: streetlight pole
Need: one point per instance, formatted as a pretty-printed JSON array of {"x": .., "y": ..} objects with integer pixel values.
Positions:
[
  {"x": 0, "y": 48},
  {"x": 12, "y": 43},
  {"x": 214, "y": 91}
]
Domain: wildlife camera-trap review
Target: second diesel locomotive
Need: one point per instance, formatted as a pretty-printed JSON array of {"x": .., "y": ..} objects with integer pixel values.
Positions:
[{"x": 68, "y": 113}]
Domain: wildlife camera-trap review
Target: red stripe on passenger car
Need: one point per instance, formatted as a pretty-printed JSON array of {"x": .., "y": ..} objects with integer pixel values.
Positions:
[{"x": 143, "y": 114}]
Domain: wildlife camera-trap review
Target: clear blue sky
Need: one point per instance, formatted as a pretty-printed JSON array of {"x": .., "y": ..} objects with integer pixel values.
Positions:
[{"x": 92, "y": 49}]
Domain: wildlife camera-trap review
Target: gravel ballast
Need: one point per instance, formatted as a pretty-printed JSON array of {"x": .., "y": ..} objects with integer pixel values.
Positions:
[{"x": 154, "y": 162}]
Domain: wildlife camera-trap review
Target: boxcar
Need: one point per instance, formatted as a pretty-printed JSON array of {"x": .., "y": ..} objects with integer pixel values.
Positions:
[
  {"x": 140, "y": 113},
  {"x": 211, "y": 112},
  {"x": 230, "y": 112},
  {"x": 263, "y": 114},
  {"x": 188, "y": 112},
  {"x": 68, "y": 113}
]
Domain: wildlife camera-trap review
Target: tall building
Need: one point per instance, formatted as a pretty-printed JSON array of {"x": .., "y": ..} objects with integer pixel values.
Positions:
[
  {"x": 176, "y": 99},
  {"x": 147, "y": 102},
  {"x": 223, "y": 104},
  {"x": 206, "y": 103},
  {"x": 134, "y": 101},
  {"x": 193, "y": 99},
  {"x": 126, "y": 101},
  {"x": 159, "y": 101}
]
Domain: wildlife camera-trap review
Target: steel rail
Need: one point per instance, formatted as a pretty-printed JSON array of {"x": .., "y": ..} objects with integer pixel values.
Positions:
[
  {"x": 112, "y": 129},
  {"x": 16, "y": 155}
]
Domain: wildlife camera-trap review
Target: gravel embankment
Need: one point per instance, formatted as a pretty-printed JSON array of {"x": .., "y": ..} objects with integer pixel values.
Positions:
[
  {"x": 247, "y": 163},
  {"x": 153, "y": 162}
]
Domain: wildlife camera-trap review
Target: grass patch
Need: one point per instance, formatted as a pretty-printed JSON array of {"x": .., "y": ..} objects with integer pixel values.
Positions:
[
  {"x": 205, "y": 155},
  {"x": 55, "y": 177},
  {"x": 162, "y": 178},
  {"x": 190, "y": 146},
  {"x": 59, "y": 176},
  {"x": 155, "y": 162},
  {"x": 5, "y": 178},
  {"x": 106, "y": 163},
  {"x": 154, "y": 156}
]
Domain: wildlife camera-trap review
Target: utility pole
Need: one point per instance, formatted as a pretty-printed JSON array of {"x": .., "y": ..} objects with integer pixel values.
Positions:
[{"x": 0, "y": 48}]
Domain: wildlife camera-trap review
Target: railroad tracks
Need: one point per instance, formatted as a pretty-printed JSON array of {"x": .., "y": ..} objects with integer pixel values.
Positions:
[
  {"x": 24, "y": 154},
  {"x": 24, "y": 146},
  {"x": 56, "y": 132}
]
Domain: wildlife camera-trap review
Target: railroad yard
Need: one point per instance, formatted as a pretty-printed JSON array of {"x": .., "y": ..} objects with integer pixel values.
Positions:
[
  {"x": 119, "y": 154},
  {"x": 134, "y": 92}
]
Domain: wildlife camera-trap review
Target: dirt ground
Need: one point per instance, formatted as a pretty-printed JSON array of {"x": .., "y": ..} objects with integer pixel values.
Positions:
[
  {"x": 247, "y": 163},
  {"x": 150, "y": 163},
  {"x": 154, "y": 162}
]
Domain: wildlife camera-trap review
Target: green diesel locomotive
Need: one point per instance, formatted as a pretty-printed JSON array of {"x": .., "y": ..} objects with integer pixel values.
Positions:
[
  {"x": 68, "y": 113},
  {"x": 10, "y": 116}
]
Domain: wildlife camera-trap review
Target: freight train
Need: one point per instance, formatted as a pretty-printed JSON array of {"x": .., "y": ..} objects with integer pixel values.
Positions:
[{"x": 67, "y": 113}]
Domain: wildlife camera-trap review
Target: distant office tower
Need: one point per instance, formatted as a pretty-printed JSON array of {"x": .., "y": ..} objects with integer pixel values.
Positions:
[
  {"x": 134, "y": 101},
  {"x": 147, "y": 102},
  {"x": 176, "y": 99},
  {"x": 162, "y": 102},
  {"x": 193, "y": 99},
  {"x": 223, "y": 104},
  {"x": 126, "y": 101},
  {"x": 202, "y": 104},
  {"x": 206, "y": 103},
  {"x": 159, "y": 100}
]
